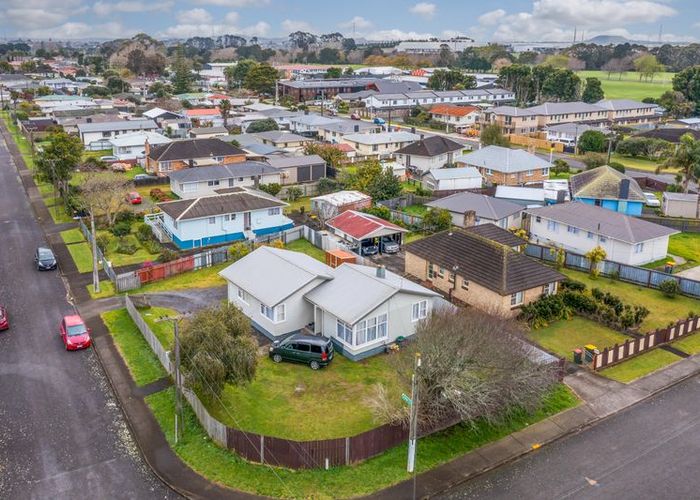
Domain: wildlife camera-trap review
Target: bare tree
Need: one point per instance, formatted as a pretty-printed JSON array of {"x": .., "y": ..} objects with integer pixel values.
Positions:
[
  {"x": 104, "y": 194},
  {"x": 474, "y": 367}
]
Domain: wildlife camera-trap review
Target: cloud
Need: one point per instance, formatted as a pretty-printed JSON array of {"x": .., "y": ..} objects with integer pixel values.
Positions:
[
  {"x": 555, "y": 20},
  {"x": 233, "y": 3},
  {"x": 357, "y": 22},
  {"x": 194, "y": 16},
  {"x": 28, "y": 15},
  {"x": 290, "y": 26},
  {"x": 232, "y": 17},
  {"x": 105, "y": 8},
  {"x": 77, "y": 30},
  {"x": 424, "y": 9},
  {"x": 186, "y": 30}
]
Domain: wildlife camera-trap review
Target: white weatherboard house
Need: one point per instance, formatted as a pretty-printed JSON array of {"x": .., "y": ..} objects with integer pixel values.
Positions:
[
  {"x": 361, "y": 309},
  {"x": 234, "y": 215},
  {"x": 448, "y": 179},
  {"x": 98, "y": 134},
  {"x": 580, "y": 227},
  {"x": 204, "y": 181},
  {"x": 133, "y": 146}
]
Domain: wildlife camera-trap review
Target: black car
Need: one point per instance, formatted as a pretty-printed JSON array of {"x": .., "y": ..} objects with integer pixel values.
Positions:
[
  {"x": 307, "y": 349},
  {"x": 366, "y": 250},
  {"x": 44, "y": 259}
]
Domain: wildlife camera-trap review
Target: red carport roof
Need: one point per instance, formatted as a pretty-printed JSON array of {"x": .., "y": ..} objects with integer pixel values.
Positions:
[{"x": 360, "y": 225}]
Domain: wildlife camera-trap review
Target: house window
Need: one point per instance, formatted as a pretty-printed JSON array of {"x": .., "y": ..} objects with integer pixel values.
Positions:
[
  {"x": 343, "y": 331},
  {"x": 212, "y": 220},
  {"x": 603, "y": 239},
  {"x": 242, "y": 296},
  {"x": 516, "y": 299},
  {"x": 275, "y": 314},
  {"x": 382, "y": 326},
  {"x": 572, "y": 229},
  {"x": 188, "y": 187},
  {"x": 273, "y": 211},
  {"x": 465, "y": 284},
  {"x": 590, "y": 235},
  {"x": 529, "y": 173},
  {"x": 639, "y": 248},
  {"x": 452, "y": 277},
  {"x": 441, "y": 272},
  {"x": 212, "y": 183},
  {"x": 551, "y": 225},
  {"x": 230, "y": 183},
  {"x": 538, "y": 219},
  {"x": 548, "y": 289},
  {"x": 489, "y": 171},
  {"x": 419, "y": 310},
  {"x": 165, "y": 166},
  {"x": 545, "y": 171},
  {"x": 218, "y": 159}
]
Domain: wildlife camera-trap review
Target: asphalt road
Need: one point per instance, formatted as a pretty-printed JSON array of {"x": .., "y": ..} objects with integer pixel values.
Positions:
[
  {"x": 62, "y": 434},
  {"x": 649, "y": 451}
]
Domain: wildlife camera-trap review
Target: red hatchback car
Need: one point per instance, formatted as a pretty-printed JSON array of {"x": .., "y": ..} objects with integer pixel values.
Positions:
[
  {"x": 4, "y": 318},
  {"x": 74, "y": 333},
  {"x": 134, "y": 198}
]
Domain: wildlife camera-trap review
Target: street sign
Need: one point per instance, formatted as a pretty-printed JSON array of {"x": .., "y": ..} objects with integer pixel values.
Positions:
[{"x": 406, "y": 399}]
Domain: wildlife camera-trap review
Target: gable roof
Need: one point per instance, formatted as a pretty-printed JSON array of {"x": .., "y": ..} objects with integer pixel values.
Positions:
[
  {"x": 382, "y": 137},
  {"x": 281, "y": 136},
  {"x": 235, "y": 201},
  {"x": 193, "y": 113},
  {"x": 490, "y": 264},
  {"x": 139, "y": 138},
  {"x": 503, "y": 159},
  {"x": 208, "y": 130},
  {"x": 625, "y": 104},
  {"x": 360, "y": 225},
  {"x": 450, "y": 110},
  {"x": 485, "y": 206},
  {"x": 454, "y": 173},
  {"x": 272, "y": 274},
  {"x": 602, "y": 221},
  {"x": 186, "y": 149},
  {"x": 296, "y": 161},
  {"x": 117, "y": 125},
  {"x": 364, "y": 287},
  {"x": 604, "y": 183},
  {"x": 494, "y": 233},
  {"x": 226, "y": 171},
  {"x": 434, "y": 145},
  {"x": 520, "y": 193}
]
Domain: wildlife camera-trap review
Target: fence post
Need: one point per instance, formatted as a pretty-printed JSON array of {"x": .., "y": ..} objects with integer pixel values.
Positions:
[
  {"x": 262, "y": 449},
  {"x": 347, "y": 451}
]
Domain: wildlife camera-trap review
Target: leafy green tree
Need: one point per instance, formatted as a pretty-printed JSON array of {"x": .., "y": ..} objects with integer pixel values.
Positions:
[
  {"x": 181, "y": 74},
  {"x": 562, "y": 85},
  {"x": 217, "y": 348},
  {"x": 235, "y": 75},
  {"x": 518, "y": 79},
  {"x": 294, "y": 193},
  {"x": 329, "y": 55},
  {"x": 261, "y": 79},
  {"x": 594, "y": 160},
  {"x": 492, "y": 135},
  {"x": 437, "y": 219},
  {"x": 647, "y": 66},
  {"x": 333, "y": 73},
  {"x": 687, "y": 158},
  {"x": 117, "y": 86},
  {"x": 676, "y": 104},
  {"x": 595, "y": 257},
  {"x": 451, "y": 79},
  {"x": 160, "y": 90},
  {"x": 592, "y": 140},
  {"x": 385, "y": 186},
  {"x": 379, "y": 211},
  {"x": 262, "y": 126},
  {"x": 60, "y": 157},
  {"x": 273, "y": 188},
  {"x": 593, "y": 92},
  {"x": 225, "y": 110},
  {"x": 559, "y": 61},
  {"x": 96, "y": 91},
  {"x": 687, "y": 82},
  {"x": 332, "y": 155}
]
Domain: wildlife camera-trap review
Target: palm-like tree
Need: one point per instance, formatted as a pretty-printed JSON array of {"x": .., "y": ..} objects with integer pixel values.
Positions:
[
  {"x": 686, "y": 157},
  {"x": 225, "y": 110}
]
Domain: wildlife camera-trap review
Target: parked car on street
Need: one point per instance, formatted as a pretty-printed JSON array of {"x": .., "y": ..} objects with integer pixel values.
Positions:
[
  {"x": 4, "y": 318},
  {"x": 133, "y": 198},
  {"x": 310, "y": 350},
  {"x": 355, "y": 116},
  {"x": 44, "y": 259},
  {"x": 74, "y": 333},
  {"x": 389, "y": 246},
  {"x": 652, "y": 200}
]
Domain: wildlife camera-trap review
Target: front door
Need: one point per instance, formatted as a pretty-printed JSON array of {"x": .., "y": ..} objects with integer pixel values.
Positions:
[{"x": 246, "y": 220}]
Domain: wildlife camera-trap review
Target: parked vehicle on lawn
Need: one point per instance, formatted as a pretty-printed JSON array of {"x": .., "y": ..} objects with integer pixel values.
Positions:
[
  {"x": 134, "y": 198},
  {"x": 44, "y": 259},
  {"x": 311, "y": 350},
  {"x": 389, "y": 246},
  {"x": 652, "y": 200},
  {"x": 4, "y": 318},
  {"x": 74, "y": 334},
  {"x": 144, "y": 177}
]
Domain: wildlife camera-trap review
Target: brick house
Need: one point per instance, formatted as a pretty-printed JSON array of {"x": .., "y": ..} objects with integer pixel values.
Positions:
[
  {"x": 188, "y": 153},
  {"x": 481, "y": 267},
  {"x": 505, "y": 166}
]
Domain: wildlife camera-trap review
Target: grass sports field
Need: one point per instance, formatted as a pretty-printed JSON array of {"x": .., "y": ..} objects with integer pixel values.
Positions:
[{"x": 629, "y": 86}]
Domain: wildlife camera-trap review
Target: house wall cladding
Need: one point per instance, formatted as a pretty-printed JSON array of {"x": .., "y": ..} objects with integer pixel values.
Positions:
[{"x": 632, "y": 347}]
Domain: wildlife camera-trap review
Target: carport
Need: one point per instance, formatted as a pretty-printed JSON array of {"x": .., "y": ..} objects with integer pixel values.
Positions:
[{"x": 359, "y": 229}]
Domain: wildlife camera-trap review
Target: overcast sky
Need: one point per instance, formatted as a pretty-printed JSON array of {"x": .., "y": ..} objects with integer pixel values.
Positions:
[{"x": 505, "y": 20}]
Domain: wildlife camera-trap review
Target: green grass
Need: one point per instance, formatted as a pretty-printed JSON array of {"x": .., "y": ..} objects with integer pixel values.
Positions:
[
  {"x": 217, "y": 464},
  {"x": 630, "y": 87},
  {"x": 410, "y": 186},
  {"x": 304, "y": 246},
  {"x": 418, "y": 210},
  {"x": 72, "y": 236},
  {"x": 120, "y": 259},
  {"x": 663, "y": 310},
  {"x": 689, "y": 344},
  {"x": 58, "y": 213},
  {"x": 143, "y": 364},
  {"x": 106, "y": 290},
  {"x": 82, "y": 256},
  {"x": 96, "y": 154},
  {"x": 563, "y": 337},
  {"x": 130, "y": 174},
  {"x": 657, "y": 263},
  {"x": 163, "y": 330},
  {"x": 293, "y": 393},
  {"x": 22, "y": 143},
  {"x": 560, "y": 175},
  {"x": 202, "y": 278},
  {"x": 639, "y": 163},
  {"x": 639, "y": 366},
  {"x": 685, "y": 245},
  {"x": 304, "y": 201},
  {"x": 413, "y": 236}
]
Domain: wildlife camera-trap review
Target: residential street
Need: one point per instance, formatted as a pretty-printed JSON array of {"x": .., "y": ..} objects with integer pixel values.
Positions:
[
  {"x": 62, "y": 433},
  {"x": 648, "y": 451}
]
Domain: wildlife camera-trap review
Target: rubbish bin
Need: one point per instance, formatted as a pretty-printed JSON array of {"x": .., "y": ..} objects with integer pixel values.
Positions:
[
  {"x": 668, "y": 267},
  {"x": 590, "y": 352},
  {"x": 578, "y": 356}
]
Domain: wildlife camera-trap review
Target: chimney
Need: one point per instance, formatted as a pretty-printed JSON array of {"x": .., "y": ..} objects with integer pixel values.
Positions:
[
  {"x": 469, "y": 218},
  {"x": 413, "y": 130},
  {"x": 356, "y": 128},
  {"x": 381, "y": 272},
  {"x": 146, "y": 148},
  {"x": 561, "y": 196},
  {"x": 422, "y": 136},
  {"x": 624, "y": 189},
  {"x": 88, "y": 120}
]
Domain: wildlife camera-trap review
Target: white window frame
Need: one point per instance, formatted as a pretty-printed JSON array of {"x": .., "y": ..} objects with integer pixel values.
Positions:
[
  {"x": 213, "y": 183},
  {"x": 545, "y": 171},
  {"x": 165, "y": 166},
  {"x": 552, "y": 225},
  {"x": 242, "y": 296},
  {"x": 419, "y": 311},
  {"x": 273, "y": 211},
  {"x": 277, "y": 314},
  {"x": 516, "y": 299},
  {"x": 572, "y": 229},
  {"x": 347, "y": 330},
  {"x": 212, "y": 220},
  {"x": 639, "y": 247}
]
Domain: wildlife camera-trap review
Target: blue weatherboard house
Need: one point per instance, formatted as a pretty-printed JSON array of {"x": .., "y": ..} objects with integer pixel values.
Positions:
[
  {"x": 608, "y": 188},
  {"x": 234, "y": 214}
]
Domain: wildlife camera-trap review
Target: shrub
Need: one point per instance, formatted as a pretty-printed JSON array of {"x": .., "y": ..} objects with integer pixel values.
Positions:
[
  {"x": 379, "y": 211},
  {"x": 167, "y": 255},
  {"x": 294, "y": 193},
  {"x": 545, "y": 310},
  {"x": 560, "y": 166},
  {"x": 594, "y": 160},
  {"x": 238, "y": 251},
  {"x": 670, "y": 287},
  {"x": 143, "y": 232},
  {"x": 579, "y": 302},
  {"x": 121, "y": 229},
  {"x": 617, "y": 166},
  {"x": 124, "y": 246},
  {"x": 573, "y": 285},
  {"x": 151, "y": 246},
  {"x": 272, "y": 188},
  {"x": 126, "y": 216},
  {"x": 103, "y": 241},
  {"x": 158, "y": 195}
]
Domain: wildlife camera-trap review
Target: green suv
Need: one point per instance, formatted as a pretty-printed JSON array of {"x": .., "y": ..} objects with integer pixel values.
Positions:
[{"x": 307, "y": 349}]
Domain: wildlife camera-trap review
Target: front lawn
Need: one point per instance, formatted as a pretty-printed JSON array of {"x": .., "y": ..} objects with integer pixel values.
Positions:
[
  {"x": 639, "y": 163},
  {"x": 72, "y": 236},
  {"x": 689, "y": 344},
  {"x": 662, "y": 310},
  {"x": 305, "y": 246},
  {"x": 563, "y": 336},
  {"x": 106, "y": 290},
  {"x": 202, "y": 278},
  {"x": 124, "y": 259},
  {"x": 163, "y": 330},
  {"x": 217, "y": 464},
  {"x": 143, "y": 364},
  {"x": 293, "y": 401},
  {"x": 82, "y": 256},
  {"x": 639, "y": 366},
  {"x": 687, "y": 246}
]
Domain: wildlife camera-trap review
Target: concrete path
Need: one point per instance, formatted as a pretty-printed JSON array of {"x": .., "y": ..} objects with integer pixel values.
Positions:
[{"x": 692, "y": 274}]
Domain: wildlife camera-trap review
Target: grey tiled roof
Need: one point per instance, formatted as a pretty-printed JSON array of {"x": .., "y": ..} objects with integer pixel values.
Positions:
[
  {"x": 485, "y": 206},
  {"x": 218, "y": 172},
  {"x": 240, "y": 200},
  {"x": 504, "y": 160}
]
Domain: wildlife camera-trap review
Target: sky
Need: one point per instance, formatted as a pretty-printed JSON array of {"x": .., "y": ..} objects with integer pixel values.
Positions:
[{"x": 500, "y": 21}]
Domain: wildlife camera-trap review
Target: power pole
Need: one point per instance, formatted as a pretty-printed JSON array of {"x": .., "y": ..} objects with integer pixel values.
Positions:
[
  {"x": 179, "y": 422},
  {"x": 413, "y": 423},
  {"x": 95, "y": 271}
]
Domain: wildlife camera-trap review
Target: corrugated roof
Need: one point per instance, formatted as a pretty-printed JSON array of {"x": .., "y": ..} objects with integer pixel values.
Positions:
[
  {"x": 454, "y": 173},
  {"x": 602, "y": 221},
  {"x": 218, "y": 172},
  {"x": 241, "y": 200},
  {"x": 296, "y": 161},
  {"x": 360, "y": 225},
  {"x": 187, "y": 149},
  {"x": 450, "y": 110},
  {"x": 382, "y": 137},
  {"x": 117, "y": 125}
]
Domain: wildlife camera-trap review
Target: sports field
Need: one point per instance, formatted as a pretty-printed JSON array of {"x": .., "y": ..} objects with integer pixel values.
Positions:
[{"x": 628, "y": 86}]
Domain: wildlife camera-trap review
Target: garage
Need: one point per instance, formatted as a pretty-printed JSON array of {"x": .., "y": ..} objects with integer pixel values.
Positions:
[{"x": 367, "y": 234}]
